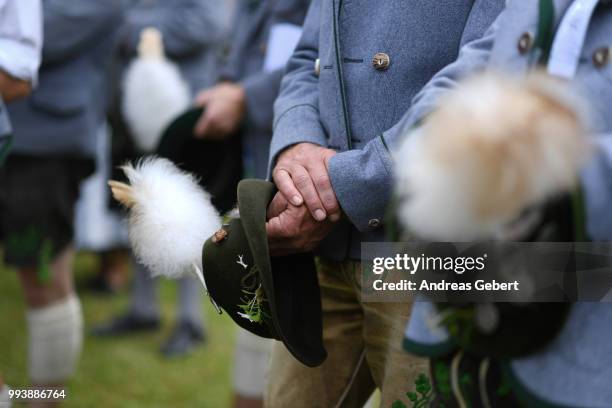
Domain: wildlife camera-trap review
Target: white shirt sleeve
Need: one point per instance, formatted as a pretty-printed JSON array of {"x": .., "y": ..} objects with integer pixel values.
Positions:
[{"x": 21, "y": 32}]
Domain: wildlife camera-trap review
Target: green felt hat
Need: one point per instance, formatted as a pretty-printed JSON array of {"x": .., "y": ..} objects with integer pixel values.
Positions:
[
  {"x": 273, "y": 297},
  {"x": 217, "y": 164}
]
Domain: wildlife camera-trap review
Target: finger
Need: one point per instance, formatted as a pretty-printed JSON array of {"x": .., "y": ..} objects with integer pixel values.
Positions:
[
  {"x": 303, "y": 182},
  {"x": 287, "y": 224},
  {"x": 320, "y": 177},
  {"x": 278, "y": 205},
  {"x": 203, "y": 98},
  {"x": 278, "y": 243},
  {"x": 274, "y": 229},
  {"x": 202, "y": 126},
  {"x": 285, "y": 185}
]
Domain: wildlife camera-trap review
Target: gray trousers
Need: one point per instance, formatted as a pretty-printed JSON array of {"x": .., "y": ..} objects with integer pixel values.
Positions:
[{"x": 145, "y": 302}]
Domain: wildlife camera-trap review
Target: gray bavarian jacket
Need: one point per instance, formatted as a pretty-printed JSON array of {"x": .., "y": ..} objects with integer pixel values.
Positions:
[
  {"x": 342, "y": 93},
  {"x": 62, "y": 116},
  {"x": 576, "y": 369}
]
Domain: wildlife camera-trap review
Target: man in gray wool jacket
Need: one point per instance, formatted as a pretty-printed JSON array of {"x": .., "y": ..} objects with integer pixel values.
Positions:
[{"x": 348, "y": 84}]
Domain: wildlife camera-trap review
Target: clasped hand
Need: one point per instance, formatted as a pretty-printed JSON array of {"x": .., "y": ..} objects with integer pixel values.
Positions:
[{"x": 305, "y": 208}]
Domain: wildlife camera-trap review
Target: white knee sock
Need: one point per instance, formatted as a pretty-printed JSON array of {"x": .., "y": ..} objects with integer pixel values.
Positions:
[
  {"x": 55, "y": 340},
  {"x": 252, "y": 355},
  {"x": 5, "y": 401}
]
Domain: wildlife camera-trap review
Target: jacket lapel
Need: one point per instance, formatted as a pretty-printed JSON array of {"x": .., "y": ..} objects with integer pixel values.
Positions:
[{"x": 561, "y": 7}]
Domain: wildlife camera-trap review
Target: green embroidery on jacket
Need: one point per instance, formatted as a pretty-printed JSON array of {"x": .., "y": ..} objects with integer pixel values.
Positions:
[{"x": 422, "y": 395}]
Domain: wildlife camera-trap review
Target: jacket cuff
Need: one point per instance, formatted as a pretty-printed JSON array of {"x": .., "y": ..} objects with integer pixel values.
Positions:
[
  {"x": 20, "y": 60},
  {"x": 299, "y": 124},
  {"x": 362, "y": 181}
]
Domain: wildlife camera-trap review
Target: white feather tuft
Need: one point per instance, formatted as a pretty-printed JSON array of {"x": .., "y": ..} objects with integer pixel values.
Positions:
[
  {"x": 170, "y": 218},
  {"x": 494, "y": 147},
  {"x": 154, "y": 92}
]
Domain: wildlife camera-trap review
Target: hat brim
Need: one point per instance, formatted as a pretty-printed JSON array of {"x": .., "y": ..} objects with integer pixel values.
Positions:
[
  {"x": 290, "y": 282},
  {"x": 177, "y": 134},
  {"x": 218, "y": 164}
]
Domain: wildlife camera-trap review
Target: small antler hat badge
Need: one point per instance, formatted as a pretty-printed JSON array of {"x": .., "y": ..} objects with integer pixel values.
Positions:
[
  {"x": 219, "y": 236},
  {"x": 241, "y": 262}
]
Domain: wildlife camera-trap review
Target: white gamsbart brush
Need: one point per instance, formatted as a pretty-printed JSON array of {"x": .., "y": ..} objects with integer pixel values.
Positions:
[
  {"x": 170, "y": 217},
  {"x": 495, "y": 147},
  {"x": 154, "y": 92}
]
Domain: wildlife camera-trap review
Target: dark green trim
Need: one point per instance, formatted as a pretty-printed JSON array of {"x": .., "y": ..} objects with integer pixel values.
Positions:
[
  {"x": 429, "y": 350},
  {"x": 543, "y": 44},
  {"x": 384, "y": 142},
  {"x": 546, "y": 31},
  {"x": 347, "y": 125},
  {"x": 392, "y": 232},
  {"x": 523, "y": 394}
]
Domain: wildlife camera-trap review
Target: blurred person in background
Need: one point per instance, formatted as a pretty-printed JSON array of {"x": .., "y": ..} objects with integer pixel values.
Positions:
[
  {"x": 20, "y": 55},
  {"x": 192, "y": 32},
  {"x": 99, "y": 229},
  {"x": 54, "y": 131},
  {"x": 264, "y": 36},
  {"x": 573, "y": 366}
]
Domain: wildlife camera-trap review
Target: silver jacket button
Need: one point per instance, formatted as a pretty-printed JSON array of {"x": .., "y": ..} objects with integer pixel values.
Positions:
[
  {"x": 381, "y": 61},
  {"x": 525, "y": 43},
  {"x": 317, "y": 67},
  {"x": 601, "y": 57},
  {"x": 374, "y": 223}
]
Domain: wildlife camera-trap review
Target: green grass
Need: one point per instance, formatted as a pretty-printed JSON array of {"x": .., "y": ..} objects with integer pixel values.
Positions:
[{"x": 126, "y": 372}]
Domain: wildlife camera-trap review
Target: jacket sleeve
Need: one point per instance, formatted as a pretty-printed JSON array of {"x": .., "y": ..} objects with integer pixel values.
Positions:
[
  {"x": 70, "y": 27},
  {"x": 187, "y": 26},
  {"x": 21, "y": 38},
  {"x": 261, "y": 89},
  {"x": 473, "y": 57},
  {"x": 362, "y": 179},
  {"x": 296, "y": 111},
  {"x": 597, "y": 187}
]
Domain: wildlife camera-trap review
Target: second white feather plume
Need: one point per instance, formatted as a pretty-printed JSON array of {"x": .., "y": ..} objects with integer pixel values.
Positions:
[
  {"x": 154, "y": 91},
  {"x": 495, "y": 146}
]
